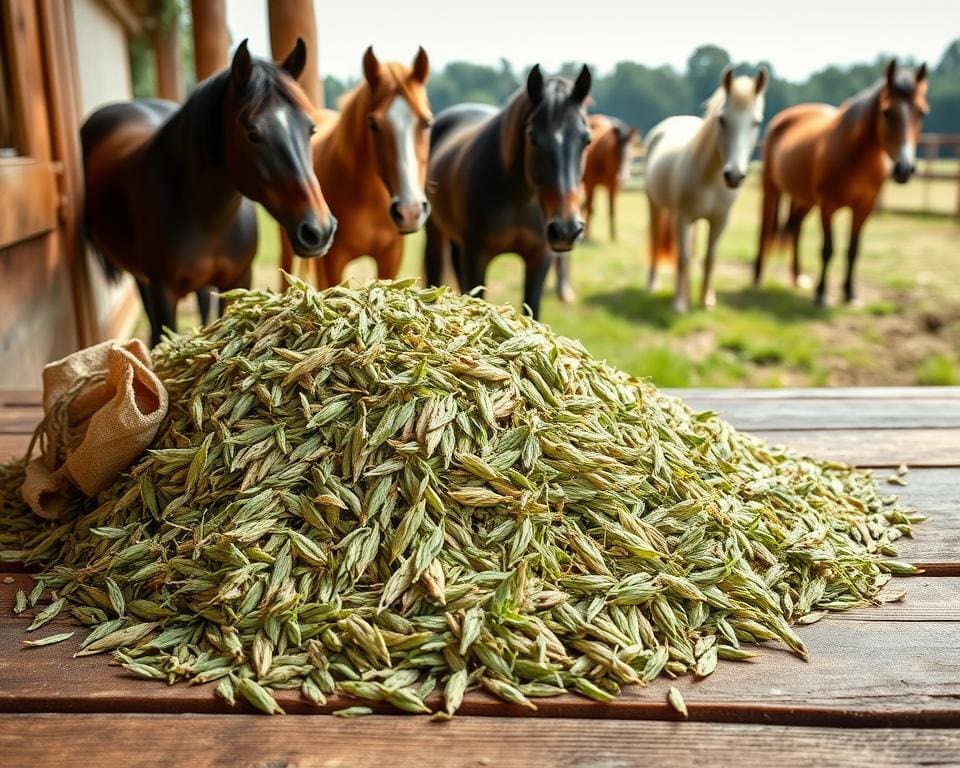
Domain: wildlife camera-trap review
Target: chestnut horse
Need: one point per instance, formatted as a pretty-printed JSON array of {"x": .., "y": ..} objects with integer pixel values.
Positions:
[
  {"x": 606, "y": 164},
  {"x": 167, "y": 188},
  {"x": 371, "y": 159},
  {"x": 694, "y": 168},
  {"x": 508, "y": 181},
  {"x": 818, "y": 155}
]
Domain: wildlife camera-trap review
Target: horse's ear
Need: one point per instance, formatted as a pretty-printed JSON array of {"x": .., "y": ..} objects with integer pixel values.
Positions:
[
  {"x": 922, "y": 73},
  {"x": 296, "y": 60},
  {"x": 421, "y": 66},
  {"x": 371, "y": 67},
  {"x": 891, "y": 73},
  {"x": 535, "y": 85},
  {"x": 241, "y": 66},
  {"x": 581, "y": 88},
  {"x": 726, "y": 78},
  {"x": 761, "y": 81}
]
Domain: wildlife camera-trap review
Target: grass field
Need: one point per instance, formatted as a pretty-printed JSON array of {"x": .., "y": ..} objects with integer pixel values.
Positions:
[{"x": 905, "y": 331}]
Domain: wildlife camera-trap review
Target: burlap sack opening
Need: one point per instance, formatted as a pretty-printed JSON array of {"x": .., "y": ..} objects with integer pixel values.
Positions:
[{"x": 102, "y": 408}]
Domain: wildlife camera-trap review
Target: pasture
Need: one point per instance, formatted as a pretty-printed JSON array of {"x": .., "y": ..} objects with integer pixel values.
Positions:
[{"x": 905, "y": 331}]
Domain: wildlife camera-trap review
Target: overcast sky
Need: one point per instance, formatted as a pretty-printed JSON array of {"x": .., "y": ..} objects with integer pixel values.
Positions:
[{"x": 796, "y": 37}]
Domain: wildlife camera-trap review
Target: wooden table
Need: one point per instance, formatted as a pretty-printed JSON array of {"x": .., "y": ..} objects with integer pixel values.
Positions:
[{"x": 882, "y": 686}]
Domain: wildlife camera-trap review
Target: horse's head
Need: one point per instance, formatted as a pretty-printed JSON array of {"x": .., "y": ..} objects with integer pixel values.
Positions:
[
  {"x": 267, "y": 125},
  {"x": 399, "y": 121},
  {"x": 902, "y": 106},
  {"x": 556, "y": 135},
  {"x": 739, "y": 112}
]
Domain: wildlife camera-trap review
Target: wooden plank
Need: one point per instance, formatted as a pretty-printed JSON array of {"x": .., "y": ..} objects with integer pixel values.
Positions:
[
  {"x": 53, "y": 741},
  {"x": 28, "y": 189},
  {"x": 875, "y": 447},
  {"x": 901, "y": 670},
  {"x": 822, "y": 393},
  {"x": 804, "y": 414},
  {"x": 10, "y": 396}
]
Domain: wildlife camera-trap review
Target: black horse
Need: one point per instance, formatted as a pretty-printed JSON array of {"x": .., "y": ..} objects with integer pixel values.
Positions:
[
  {"x": 508, "y": 181},
  {"x": 169, "y": 188}
]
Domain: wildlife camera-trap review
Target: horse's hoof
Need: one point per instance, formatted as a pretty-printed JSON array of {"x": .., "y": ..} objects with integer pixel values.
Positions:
[
  {"x": 821, "y": 301},
  {"x": 854, "y": 301},
  {"x": 803, "y": 281},
  {"x": 709, "y": 301},
  {"x": 680, "y": 307},
  {"x": 567, "y": 294}
]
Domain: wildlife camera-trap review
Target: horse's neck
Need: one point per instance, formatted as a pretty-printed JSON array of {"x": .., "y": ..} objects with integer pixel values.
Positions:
[
  {"x": 189, "y": 150},
  {"x": 706, "y": 161},
  {"x": 857, "y": 127},
  {"x": 353, "y": 149},
  {"x": 510, "y": 126}
]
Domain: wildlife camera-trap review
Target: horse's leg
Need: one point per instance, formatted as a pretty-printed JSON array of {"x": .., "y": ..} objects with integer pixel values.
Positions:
[
  {"x": 164, "y": 305},
  {"x": 388, "y": 261},
  {"x": 768, "y": 225},
  {"x": 203, "y": 304},
  {"x": 826, "y": 220},
  {"x": 655, "y": 238},
  {"x": 144, "y": 289},
  {"x": 708, "y": 299},
  {"x": 473, "y": 269},
  {"x": 286, "y": 257},
  {"x": 433, "y": 252},
  {"x": 565, "y": 291},
  {"x": 860, "y": 214},
  {"x": 794, "y": 224},
  {"x": 587, "y": 209},
  {"x": 681, "y": 300},
  {"x": 612, "y": 200},
  {"x": 457, "y": 263},
  {"x": 536, "y": 267}
]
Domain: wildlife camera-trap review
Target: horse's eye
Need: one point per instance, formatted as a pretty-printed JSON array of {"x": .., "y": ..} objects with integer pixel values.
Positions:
[
  {"x": 586, "y": 139},
  {"x": 374, "y": 125},
  {"x": 889, "y": 112},
  {"x": 313, "y": 129},
  {"x": 756, "y": 123},
  {"x": 254, "y": 136},
  {"x": 723, "y": 121},
  {"x": 427, "y": 122}
]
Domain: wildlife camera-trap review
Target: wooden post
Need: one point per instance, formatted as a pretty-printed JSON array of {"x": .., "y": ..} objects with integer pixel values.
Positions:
[
  {"x": 211, "y": 42},
  {"x": 166, "y": 53},
  {"x": 290, "y": 19}
]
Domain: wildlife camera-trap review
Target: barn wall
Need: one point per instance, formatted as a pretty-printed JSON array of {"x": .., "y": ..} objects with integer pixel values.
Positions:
[{"x": 103, "y": 74}]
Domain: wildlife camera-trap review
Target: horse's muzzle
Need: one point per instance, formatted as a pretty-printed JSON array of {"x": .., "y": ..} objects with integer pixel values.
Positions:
[
  {"x": 903, "y": 171},
  {"x": 563, "y": 234},
  {"x": 312, "y": 238},
  {"x": 409, "y": 217},
  {"x": 732, "y": 178}
]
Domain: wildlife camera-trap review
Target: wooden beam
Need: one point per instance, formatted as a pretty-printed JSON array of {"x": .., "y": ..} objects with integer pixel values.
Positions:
[
  {"x": 26, "y": 65},
  {"x": 125, "y": 14},
  {"x": 211, "y": 41},
  {"x": 28, "y": 189},
  {"x": 290, "y": 19},
  {"x": 169, "y": 68}
]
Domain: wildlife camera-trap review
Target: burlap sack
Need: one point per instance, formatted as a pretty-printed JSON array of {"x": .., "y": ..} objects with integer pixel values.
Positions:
[{"x": 102, "y": 408}]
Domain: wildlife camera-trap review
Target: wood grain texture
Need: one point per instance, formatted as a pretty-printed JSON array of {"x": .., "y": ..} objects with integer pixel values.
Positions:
[
  {"x": 54, "y": 741},
  {"x": 874, "y": 447},
  {"x": 900, "y": 667}
]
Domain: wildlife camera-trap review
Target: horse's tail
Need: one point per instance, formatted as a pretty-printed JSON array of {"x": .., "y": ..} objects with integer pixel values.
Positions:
[
  {"x": 771, "y": 232},
  {"x": 663, "y": 237},
  {"x": 111, "y": 270}
]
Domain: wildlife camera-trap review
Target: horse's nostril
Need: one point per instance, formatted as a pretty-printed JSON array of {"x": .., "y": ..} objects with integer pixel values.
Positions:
[
  {"x": 309, "y": 234},
  {"x": 395, "y": 211},
  {"x": 426, "y": 208},
  {"x": 577, "y": 229},
  {"x": 553, "y": 231}
]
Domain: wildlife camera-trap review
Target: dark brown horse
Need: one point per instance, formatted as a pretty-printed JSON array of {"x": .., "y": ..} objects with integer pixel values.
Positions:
[
  {"x": 818, "y": 155},
  {"x": 508, "y": 181},
  {"x": 169, "y": 189}
]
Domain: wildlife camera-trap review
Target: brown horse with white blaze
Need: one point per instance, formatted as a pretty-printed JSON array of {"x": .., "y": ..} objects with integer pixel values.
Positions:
[
  {"x": 818, "y": 155},
  {"x": 371, "y": 160}
]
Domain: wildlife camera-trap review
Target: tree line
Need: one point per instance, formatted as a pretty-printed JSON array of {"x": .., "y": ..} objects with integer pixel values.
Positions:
[{"x": 642, "y": 95}]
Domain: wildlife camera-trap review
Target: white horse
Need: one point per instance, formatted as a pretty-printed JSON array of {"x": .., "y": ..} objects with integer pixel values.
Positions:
[{"x": 694, "y": 166}]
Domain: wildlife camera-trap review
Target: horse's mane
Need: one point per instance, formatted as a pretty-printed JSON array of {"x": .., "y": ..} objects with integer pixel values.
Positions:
[
  {"x": 556, "y": 93},
  {"x": 360, "y": 100},
  {"x": 267, "y": 82},
  {"x": 865, "y": 102}
]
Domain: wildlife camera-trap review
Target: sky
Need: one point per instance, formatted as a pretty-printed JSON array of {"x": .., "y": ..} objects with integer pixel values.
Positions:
[{"x": 797, "y": 38}]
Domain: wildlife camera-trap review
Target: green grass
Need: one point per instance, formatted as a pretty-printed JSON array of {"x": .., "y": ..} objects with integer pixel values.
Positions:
[{"x": 907, "y": 330}]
